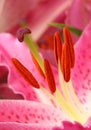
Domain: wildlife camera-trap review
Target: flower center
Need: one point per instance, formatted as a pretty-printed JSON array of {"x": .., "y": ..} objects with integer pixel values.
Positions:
[{"x": 64, "y": 96}]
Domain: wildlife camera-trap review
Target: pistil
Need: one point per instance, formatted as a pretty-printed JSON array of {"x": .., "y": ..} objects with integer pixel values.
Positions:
[{"x": 24, "y": 35}]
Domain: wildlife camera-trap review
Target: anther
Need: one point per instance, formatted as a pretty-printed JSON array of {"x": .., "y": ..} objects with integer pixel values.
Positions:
[
  {"x": 68, "y": 39},
  {"x": 57, "y": 46},
  {"x": 21, "y": 32},
  {"x": 65, "y": 62},
  {"x": 37, "y": 66},
  {"x": 25, "y": 73},
  {"x": 49, "y": 76}
]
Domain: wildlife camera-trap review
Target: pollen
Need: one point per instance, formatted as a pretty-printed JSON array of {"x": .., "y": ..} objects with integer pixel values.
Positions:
[
  {"x": 64, "y": 53},
  {"x": 49, "y": 76},
  {"x": 57, "y": 46},
  {"x": 65, "y": 62},
  {"x": 68, "y": 39},
  {"x": 25, "y": 73}
]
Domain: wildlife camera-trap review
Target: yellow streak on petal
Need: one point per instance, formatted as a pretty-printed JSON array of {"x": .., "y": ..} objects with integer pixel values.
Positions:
[
  {"x": 70, "y": 109},
  {"x": 65, "y": 107},
  {"x": 74, "y": 97}
]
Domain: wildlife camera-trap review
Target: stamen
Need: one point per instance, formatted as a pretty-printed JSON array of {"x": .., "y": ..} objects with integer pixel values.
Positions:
[
  {"x": 57, "y": 46},
  {"x": 49, "y": 76},
  {"x": 21, "y": 32},
  {"x": 68, "y": 39},
  {"x": 66, "y": 99},
  {"x": 25, "y": 73},
  {"x": 37, "y": 66},
  {"x": 65, "y": 62}
]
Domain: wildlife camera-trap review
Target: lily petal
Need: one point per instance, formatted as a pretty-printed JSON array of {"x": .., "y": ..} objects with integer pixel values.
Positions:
[
  {"x": 23, "y": 126},
  {"x": 81, "y": 74},
  {"x": 65, "y": 126},
  {"x": 32, "y": 11},
  {"x": 52, "y": 11},
  {"x": 28, "y": 114},
  {"x": 22, "y": 111},
  {"x": 78, "y": 15},
  {"x": 10, "y": 47},
  {"x": 72, "y": 126},
  {"x": 11, "y": 15}
]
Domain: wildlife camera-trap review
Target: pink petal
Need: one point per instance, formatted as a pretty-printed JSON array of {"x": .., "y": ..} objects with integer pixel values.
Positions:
[
  {"x": 10, "y": 15},
  {"x": 10, "y": 47},
  {"x": 88, "y": 123},
  {"x": 28, "y": 112},
  {"x": 28, "y": 115},
  {"x": 49, "y": 55},
  {"x": 47, "y": 12},
  {"x": 70, "y": 126},
  {"x": 23, "y": 126},
  {"x": 19, "y": 126},
  {"x": 53, "y": 10},
  {"x": 78, "y": 15},
  {"x": 81, "y": 74}
]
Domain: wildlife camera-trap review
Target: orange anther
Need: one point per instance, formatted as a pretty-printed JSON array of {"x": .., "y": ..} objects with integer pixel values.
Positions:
[
  {"x": 57, "y": 46},
  {"x": 37, "y": 66},
  {"x": 49, "y": 76},
  {"x": 25, "y": 73},
  {"x": 68, "y": 39},
  {"x": 65, "y": 62}
]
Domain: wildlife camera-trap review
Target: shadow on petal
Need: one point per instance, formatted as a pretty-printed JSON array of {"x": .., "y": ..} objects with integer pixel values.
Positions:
[
  {"x": 3, "y": 74},
  {"x": 8, "y": 93}
]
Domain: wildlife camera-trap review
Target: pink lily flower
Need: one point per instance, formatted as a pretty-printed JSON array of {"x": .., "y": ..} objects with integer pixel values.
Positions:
[{"x": 34, "y": 115}]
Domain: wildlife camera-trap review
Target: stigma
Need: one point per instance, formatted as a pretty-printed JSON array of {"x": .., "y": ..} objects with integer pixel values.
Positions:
[{"x": 64, "y": 95}]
